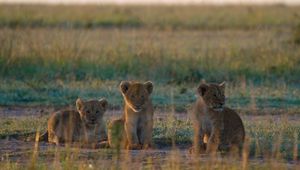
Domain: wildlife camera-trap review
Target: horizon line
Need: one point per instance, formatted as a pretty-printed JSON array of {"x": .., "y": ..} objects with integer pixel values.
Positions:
[{"x": 153, "y": 2}]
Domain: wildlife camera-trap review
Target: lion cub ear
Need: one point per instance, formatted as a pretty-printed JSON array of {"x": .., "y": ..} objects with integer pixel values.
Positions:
[
  {"x": 124, "y": 86},
  {"x": 202, "y": 88},
  {"x": 149, "y": 86},
  {"x": 104, "y": 104},
  {"x": 79, "y": 104}
]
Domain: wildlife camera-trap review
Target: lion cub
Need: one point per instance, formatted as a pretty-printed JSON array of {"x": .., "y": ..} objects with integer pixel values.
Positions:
[
  {"x": 134, "y": 130},
  {"x": 84, "y": 125},
  {"x": 215, "y": 126}
]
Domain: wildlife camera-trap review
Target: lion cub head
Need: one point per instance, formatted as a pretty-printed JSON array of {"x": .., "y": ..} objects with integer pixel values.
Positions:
[
  {"x": 136, "y": 95},
  {"x": 213, "y": 95},
  {"x": 92, "y": 111}
]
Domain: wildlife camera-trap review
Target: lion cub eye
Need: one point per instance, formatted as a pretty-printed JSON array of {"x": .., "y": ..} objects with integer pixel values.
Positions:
[
  {"x": 88, "y": 112},
  {"x": 97, "y": 112}
]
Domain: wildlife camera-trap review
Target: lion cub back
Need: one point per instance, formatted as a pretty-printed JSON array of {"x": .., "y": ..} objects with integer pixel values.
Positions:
[
  {"x": 84, "y": 125},
  {"x": 64, "y": 126},
  {"x": 233, "y": 132}
]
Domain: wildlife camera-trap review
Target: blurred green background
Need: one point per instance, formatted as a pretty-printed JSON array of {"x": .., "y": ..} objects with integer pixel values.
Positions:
[{"x": 50, "y": 55}]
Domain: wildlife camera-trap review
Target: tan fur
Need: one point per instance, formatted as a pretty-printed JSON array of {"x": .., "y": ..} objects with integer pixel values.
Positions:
[
  {"x": 137, "y": 123},
  {"x": 215, "y": 126},
  {"x": 84, "y": 125},
  {"x": 116, "y": 134}
]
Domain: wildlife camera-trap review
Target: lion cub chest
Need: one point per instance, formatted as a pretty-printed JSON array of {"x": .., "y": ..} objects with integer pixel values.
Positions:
[{"x": 206, "y": 123}]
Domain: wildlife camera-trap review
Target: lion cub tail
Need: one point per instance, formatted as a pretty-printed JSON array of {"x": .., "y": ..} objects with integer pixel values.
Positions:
[
  {"x": 41, "y": 138},
  {"x": 44, "y": 137},
  {"x": 116, "y": 136}
]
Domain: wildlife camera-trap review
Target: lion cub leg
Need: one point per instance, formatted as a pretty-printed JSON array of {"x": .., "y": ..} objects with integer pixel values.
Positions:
[
  {"x": 132, "y": 138},
  {"x": 52, "y": 138},
  {"x": 199, "y": 141},
  {"x": 203, "y": 139},
  {"x": 213, "y": 142},
  {"x": 145, "y": 135},
  {"x": 59, "y": 134},
  {"x": 236, "y": 144}
]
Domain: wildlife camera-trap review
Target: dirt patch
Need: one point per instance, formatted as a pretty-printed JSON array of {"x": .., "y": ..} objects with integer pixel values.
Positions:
[
  {"x": 27, "y": 153},
  {"x": 23, "y": 152}
]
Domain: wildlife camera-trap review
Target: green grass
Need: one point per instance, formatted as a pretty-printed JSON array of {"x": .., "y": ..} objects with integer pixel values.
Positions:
[
  {"x": 254, "y": 47},
  {"x": 21, "y": 127},
  {"x": 55, "y": 66},
  {"x": 162, "y": 56},
  {"x": 181, "y": 97},
  {"x": 212, "y": 43}
]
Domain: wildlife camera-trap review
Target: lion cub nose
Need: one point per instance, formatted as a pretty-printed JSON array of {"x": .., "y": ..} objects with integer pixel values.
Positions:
[{"x": 93, "y": 118}]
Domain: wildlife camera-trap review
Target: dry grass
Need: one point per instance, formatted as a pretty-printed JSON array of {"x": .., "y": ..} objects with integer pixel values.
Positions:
[
  {"x": 154, "y": 17},
  {"x": 55, "y": 66},
  {"x": 172, "y": 56},
  {"x": 272, "y": 142}
]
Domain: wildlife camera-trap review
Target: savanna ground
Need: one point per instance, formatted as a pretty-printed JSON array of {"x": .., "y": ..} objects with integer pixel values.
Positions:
[{"x": 50, "y": 55}]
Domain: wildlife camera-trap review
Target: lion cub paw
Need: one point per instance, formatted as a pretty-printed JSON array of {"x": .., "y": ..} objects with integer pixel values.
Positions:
[
  {"x": 147, "y": 146},
  {"x": 134, "y": 147},
  {"x": 103, "y": 144},
  {"x": 200, "y": 150}
]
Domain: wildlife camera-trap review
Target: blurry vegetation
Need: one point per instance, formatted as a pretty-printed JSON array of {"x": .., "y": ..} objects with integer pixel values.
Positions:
[
  {"x": 50, "y": 55},
  {"x": 297, "y": 34},
  {"x": 62, "y": 93},
  {"x": 162, "y": 56},
  {"x": 154, "y": 17}
]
